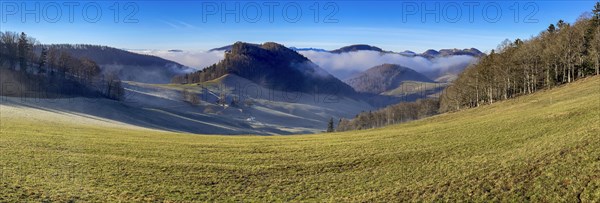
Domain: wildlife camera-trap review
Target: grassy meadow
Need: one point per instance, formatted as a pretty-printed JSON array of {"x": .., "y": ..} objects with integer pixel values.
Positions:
[{"x": 543, "y": 147}]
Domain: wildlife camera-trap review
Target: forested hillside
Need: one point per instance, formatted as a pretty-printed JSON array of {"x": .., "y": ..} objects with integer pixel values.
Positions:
[
  {"x": 561, "y": 54},
  {"x": 273, "y": 66},
  {"x": 394, "y": 114},
  {"x": 385, "y": 77},
  {"x": 27, "y": 72},
  {"x": 127, "y": 65}
]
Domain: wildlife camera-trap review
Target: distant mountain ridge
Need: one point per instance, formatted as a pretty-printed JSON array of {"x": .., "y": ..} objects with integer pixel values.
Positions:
[
  {"x": 427, "y": 54},
  {"x": 365, "y": 47},
  {"x": 308, "y": 49},
  {"x": 385, "y": 77},
  {"x": 228, "y": 48},
  {"x": 446, "y": 74},
  {"x": 271, "y": 65},
  {"x": 454, "y": 52},
  {"x": 357, "y": 47}
]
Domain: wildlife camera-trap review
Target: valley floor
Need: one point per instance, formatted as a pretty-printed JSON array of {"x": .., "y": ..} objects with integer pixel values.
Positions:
[{"x": 541, "y": 147}]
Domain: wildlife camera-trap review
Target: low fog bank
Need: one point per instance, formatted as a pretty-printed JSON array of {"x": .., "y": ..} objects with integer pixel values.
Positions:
[
  {"x": 194, "y": 59},
  {"x": 344, "y": 65}
]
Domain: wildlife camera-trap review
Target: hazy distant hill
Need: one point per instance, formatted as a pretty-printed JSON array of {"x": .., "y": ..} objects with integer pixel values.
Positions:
[
  {"x": 351, "y": 48},
  {"x": 128, "y": 65},
  {"x": 357, "y": 47},
  {"x": 431, "y": 52},
  {"x": 308, "y": 49},
  {"x": 223, "y": 48},
  {"x": 382, "y": 78},
  {"x": 273, "y": 66},
  {"x": 427, "y": 54},
  {"x": 454, "y": 52},
  {"x": 446, "y": 74},
  {"x": 228, "y": 48}
]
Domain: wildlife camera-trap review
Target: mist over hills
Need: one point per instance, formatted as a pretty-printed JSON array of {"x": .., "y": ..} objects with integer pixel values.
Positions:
[
  {"x": 273, "y": 66},
  {"x": 385, "y": 77},
  {"x": 347, "y": 61},
  {"x": 228, "y": 48},
  {"x": 128, "y": 65},
  {"x": 428, "y": 54},
  {"x": 356, "y": 123},
  {"x": 223, "y": 48},
  {"x": 431, "y": 53},
  {"x": 308, "y": 49},
  {"x": 276, "y": 66},
  {"x": 454, "y": 52},
  {"x": 346, "y": 65}
]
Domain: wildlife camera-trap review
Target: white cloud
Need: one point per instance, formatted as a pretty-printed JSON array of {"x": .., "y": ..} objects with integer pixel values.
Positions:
[
  {"x": 344, "y": 64},
  {"x": 193, "y": 59},
  {"x": 340, "y": 65}
]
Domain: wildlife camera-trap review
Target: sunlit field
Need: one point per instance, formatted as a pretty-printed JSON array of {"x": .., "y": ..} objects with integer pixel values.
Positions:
[{"x": 541, "y": 147}]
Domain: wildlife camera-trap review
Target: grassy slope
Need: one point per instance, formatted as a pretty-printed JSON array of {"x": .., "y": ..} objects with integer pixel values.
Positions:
[{"x": 542, "y": 147}]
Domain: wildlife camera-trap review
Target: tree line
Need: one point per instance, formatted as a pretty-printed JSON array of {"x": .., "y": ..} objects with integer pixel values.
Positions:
[
  {"x": 394, "y": 114},
  {"x": 25, "y": 55},
  {"x": 561, "y": 54}
]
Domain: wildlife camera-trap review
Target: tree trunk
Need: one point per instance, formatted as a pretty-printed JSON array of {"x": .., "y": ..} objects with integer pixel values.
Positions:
[
  {"x": 597, "y": 64},
  {"x": 490, "y": 95},
  {"x": 477, "y": 91},
  {"x": 547, "y": 76}
]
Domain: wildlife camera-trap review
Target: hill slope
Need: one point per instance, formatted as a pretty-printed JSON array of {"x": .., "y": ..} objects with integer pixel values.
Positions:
[
  {"x": 130, "y": 66},
  {"x": 383, "y": 78},
  {"x": 357, "y": 47},
  {"x": 541, "y": 148},
  {"x": 273, "y": 66}
]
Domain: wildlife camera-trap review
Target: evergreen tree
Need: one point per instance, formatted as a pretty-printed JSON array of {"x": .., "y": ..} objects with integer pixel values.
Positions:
[
  {"x": 596, "y": 12},
  {"x": 23, "y": 47},
  {"x": 42, "y": 60},
  {"x": 330, "y": 126},
  {"x": 551, "y": 28}
]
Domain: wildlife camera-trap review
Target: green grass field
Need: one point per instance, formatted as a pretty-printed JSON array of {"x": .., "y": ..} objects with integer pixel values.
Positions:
[{"x": 543, "y": 147}]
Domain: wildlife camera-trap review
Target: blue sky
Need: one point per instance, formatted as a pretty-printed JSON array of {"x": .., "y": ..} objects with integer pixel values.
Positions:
[{"x": 198, "y": 25}]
